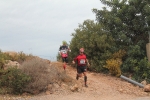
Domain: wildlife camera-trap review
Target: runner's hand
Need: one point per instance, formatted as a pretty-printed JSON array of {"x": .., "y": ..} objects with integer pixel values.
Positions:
[
  {"x": 88, "y": 65},
  {"x": 73, "y": 62}
]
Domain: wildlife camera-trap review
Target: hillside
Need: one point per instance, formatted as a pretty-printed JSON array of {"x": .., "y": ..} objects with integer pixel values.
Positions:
[{"x": 101, "y": 87}]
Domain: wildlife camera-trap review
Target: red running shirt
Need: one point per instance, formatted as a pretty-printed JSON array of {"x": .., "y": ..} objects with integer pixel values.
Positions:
[{"x": 81, "y": 60}]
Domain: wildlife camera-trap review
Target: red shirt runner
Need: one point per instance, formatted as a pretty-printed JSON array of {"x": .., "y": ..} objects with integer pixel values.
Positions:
[{"x": 81, "y": 60}]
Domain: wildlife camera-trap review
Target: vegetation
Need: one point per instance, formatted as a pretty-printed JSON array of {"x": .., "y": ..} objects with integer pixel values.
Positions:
[
  {"x": 13, "y": 80},
  {"x": 95, "y": 42},
  {"x": 13, "y": 56},
  {"x": 33, "y": 75},
  {"x": 128, "y": 22},
  {"x": 42, "y": 75},
  {"x": 115, "y": 62},
  {"x": 114, "y": 43},
  {"x": 124, "y": 26}
]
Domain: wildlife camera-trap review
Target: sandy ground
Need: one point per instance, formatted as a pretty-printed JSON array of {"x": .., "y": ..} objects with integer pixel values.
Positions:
[{"x": 100, "y": 87}]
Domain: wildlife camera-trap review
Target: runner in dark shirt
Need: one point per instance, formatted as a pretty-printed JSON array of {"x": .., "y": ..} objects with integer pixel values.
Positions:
[{"x": 63, "y": 51}]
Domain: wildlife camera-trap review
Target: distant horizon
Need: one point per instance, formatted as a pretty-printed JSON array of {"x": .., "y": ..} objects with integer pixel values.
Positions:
[{"x": 51, "y": 58}]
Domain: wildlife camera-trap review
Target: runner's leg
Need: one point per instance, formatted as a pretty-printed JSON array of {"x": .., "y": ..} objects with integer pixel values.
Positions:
[
  {"x": 85, "y": 77},
  {"x": 79, "y": 73},
  {"x": 64, "y": 65}
]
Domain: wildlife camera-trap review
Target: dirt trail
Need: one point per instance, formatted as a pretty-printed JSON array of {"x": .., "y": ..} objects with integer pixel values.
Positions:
[{"x": 100, "y": 87}]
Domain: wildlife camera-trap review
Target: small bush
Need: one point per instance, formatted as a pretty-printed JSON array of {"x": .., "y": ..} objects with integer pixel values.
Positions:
[
  {"x": 14, "y": 79},
  {"x": 38, "y": 71},
  {"x": 3, "y": 57},
  {"x": 142, "y": 71},
  {"x": 113, "y": 64},
  {"x": 41, "y": 74}
]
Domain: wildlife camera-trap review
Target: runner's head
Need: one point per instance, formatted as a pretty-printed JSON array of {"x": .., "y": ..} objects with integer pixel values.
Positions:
[
  {"x": 64, "y": 42},
  {"x": 81, "y": 50}
]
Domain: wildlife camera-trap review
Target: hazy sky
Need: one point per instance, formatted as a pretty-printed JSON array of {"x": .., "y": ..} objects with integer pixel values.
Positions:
[{"x": 38, "y": 27}]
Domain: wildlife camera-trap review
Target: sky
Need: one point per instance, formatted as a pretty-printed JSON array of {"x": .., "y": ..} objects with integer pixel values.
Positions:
[{"x": 38, "y": 27}]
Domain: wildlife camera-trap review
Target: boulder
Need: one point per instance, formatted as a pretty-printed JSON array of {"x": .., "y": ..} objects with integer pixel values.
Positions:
[
  {"x": 147, "y": 88},
  {"x": 48, "y": 92},
  {"x": 10, "y": 64},
  {"x": 144, "y": 82},
  {"x": 74, "y": 88}
]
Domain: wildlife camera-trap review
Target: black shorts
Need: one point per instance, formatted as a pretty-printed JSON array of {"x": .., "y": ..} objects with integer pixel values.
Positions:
[
  {"x": 81, "y": 69},
  {"x": 65, "y": 59}
]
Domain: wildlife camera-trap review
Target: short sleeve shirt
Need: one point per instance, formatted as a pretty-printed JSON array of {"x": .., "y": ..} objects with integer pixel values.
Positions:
[{"x": 81, "y": 60}]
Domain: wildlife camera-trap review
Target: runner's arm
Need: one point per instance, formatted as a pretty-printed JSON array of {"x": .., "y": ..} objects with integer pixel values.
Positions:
[
  {"x": 69, "y": 49},
  {"x": 60, "y": 50},
  {"x": 74, "y": 60},
  {"x": 87, "y": 62}
]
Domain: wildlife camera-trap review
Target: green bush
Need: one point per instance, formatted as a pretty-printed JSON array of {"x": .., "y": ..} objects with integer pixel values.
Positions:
[
  {"x": 142, "y": 71},
  {"x": 3, "y": 57},
  {"x": 14, "y": 79},
  {"x": 136, "y": 63},
  {"x": 134, "y": 55}
]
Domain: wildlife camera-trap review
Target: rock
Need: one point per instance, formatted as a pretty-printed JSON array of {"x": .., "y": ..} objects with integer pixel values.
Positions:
[
  {"x": 144, "y": 82},
  {"x": 64, "y": 86},
  {"x": 147, "y": 88},
  {"x": 74, "y": 88},
  {"x": 49, "y": 87},
  {"x": 47, "y": 92},
  {"x": 121, "y": 90},
  {"x": 10, "y": 64}
]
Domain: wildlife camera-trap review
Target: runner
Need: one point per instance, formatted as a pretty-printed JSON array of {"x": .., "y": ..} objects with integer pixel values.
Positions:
[
  {"x": 82, "y": 64},
  {"x": 63, "y": 51}
]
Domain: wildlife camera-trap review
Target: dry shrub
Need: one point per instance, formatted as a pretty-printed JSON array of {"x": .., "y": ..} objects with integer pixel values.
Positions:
[
  {"x": 42, "y": 74},
  {"x": 38, "y": 71},
  {"x": 113, "y": 64},
  {"x": 59, "y": 76}
]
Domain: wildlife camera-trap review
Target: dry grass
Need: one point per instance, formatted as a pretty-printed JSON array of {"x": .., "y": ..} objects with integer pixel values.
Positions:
[{"x": 43, "y": 74}]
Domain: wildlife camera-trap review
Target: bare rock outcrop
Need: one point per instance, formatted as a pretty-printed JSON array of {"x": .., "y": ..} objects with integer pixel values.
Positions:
[{"x": 10, "y": 64}]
